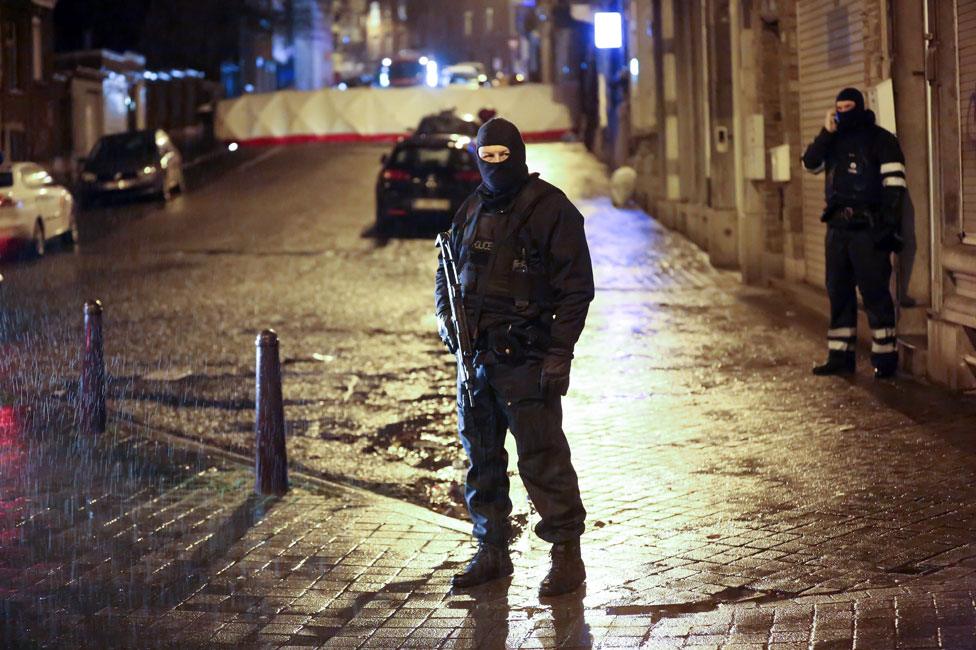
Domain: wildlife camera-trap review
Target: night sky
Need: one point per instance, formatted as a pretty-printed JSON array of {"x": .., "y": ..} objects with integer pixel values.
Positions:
[
  {"x": 170, "y": 33},
  {"x": 110, "y": 24}
]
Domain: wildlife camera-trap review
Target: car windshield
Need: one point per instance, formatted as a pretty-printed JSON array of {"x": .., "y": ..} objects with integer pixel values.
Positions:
[
  {"x": 406, "y": 69},
  {"x": 128, "y": 146},
  {"x": 419, "y": 157},
  {"x": 447, "y": 122}
]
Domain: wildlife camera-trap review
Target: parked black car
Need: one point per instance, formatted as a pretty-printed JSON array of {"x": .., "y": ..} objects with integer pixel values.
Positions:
[
  {"x": 446, "y": 122},
  {"x": 424, "y": 181},
  {"x": 138, "y": 163}
]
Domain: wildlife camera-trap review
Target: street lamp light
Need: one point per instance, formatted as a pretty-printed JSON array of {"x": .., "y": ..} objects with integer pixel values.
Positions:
[{"x": 608, "y": 30}]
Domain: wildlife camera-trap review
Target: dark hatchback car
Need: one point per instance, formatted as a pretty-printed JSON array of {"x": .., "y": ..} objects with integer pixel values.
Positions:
[
  {"x": 424, "y": 181},
  {"x": 139, "y": 163}
]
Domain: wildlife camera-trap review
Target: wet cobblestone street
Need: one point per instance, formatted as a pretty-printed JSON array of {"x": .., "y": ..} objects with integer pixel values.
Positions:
[{"x": 735, "y": 501}]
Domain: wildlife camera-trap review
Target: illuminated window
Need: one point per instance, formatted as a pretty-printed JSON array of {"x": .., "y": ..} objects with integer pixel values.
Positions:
[
  {"x": 489, "y": 19},
  {"x": 468, "y": 23}
]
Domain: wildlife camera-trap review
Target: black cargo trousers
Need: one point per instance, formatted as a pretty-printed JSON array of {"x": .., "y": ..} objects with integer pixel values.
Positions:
[
  {"x": 854, "y": 261},
  {"x": 508, "y": 397}
]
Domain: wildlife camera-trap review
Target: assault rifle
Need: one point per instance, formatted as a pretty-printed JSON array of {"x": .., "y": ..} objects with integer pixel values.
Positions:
[{"x": 463, "y": 349}]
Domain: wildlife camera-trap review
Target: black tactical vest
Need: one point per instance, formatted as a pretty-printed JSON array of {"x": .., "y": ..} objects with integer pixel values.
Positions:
[{"x": 506, "y": 275}]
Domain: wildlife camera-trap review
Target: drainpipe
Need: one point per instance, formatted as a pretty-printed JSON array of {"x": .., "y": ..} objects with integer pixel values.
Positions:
[{"x": 935, "y": 222}]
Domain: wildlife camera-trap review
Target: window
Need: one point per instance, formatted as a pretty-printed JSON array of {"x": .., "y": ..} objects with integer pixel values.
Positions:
[
  {"x": 413, "y": 157},
  {"x": 489, "y": 20},
  {"x": 468, "y": 23},
  {"x": 139, "y": 146},
  {"x": 8, "y": 35},
  {"x": 37, "y": 49},
  {"x": 16, "y": 144}
]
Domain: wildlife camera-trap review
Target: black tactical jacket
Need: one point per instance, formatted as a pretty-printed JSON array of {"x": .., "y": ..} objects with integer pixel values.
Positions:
[
  {"x": 540, "y": 275},
  {"x": 865, "y": 168}
]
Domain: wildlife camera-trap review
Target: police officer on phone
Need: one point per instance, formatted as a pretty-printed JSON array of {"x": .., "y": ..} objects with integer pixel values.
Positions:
[
  {"x": 526, "y": 280},
  {"x": 864, "y": 187}
]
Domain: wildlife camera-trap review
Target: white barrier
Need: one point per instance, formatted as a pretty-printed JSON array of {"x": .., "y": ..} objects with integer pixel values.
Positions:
[{"x": 381, "y": 113}]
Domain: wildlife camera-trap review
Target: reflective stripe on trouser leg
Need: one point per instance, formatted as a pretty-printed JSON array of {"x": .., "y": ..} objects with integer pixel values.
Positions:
[
  {"x": 841, "y": 339},
  {"x": 873, "y": 271},
  {"x": 884, "y": 341},
  {"x": 842, "y": 334}
]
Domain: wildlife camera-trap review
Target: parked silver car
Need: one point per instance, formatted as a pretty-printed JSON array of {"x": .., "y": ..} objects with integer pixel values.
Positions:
[{"x": 138, "y": 163}]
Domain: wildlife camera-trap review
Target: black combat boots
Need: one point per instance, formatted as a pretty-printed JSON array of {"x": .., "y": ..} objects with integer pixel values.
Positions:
[
  {"x": 489, "y": 563},
  {"x": 567, "y": 571},
  {"x": 838, "y": 363}
]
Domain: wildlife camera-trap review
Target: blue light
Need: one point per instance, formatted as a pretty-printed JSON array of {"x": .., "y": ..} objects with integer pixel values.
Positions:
[{"x": 608, "y": 30}]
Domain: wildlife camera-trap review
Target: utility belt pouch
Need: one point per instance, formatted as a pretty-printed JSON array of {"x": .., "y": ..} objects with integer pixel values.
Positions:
[{"x": 533, "y": 338}]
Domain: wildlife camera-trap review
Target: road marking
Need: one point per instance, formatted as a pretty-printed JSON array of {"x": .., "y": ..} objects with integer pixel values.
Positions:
[{"x": 260, "y": 159}]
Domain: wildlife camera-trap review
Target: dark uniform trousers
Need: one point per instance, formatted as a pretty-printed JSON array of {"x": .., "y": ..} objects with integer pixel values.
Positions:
[
  {"x": 852, "y": 261},
  {"x": 508, "y": 397}
]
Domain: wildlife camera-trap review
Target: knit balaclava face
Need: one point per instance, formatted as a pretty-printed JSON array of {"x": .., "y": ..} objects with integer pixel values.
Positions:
[
  {"x": 510, "y": 174},
  {"x": 856, "y": 116}
]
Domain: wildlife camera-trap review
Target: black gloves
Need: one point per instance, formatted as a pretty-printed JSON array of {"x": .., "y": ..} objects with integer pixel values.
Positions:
[
  {"x": 555, "y": 373},
  {"x": 889, "y": 240},
  {"x": 445, "y": 328}
]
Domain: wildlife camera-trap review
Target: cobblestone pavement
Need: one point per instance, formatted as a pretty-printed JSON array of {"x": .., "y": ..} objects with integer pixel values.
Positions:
[{"x": 735, "y": 501}]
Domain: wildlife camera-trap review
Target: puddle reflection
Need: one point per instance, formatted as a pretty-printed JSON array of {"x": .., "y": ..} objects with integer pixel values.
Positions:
[{"x": 492, "y": 624}]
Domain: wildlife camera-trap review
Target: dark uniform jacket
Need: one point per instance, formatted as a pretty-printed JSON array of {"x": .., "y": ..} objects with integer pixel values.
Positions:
[
  {"x": 865, "y": 170},
  {"x": 526, "y": 270}
]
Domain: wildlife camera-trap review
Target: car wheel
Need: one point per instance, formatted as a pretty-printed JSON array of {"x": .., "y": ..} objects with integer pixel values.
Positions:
[
  {"x": 382, "y": 223},
  {"x": 70, "y": 237},
  {"x": 38, "y": 240}
]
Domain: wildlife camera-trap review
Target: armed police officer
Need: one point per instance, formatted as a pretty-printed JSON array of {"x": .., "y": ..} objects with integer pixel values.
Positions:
[
  {"x": 526, "y": 282},
  {"x": 864, "y": 187}
]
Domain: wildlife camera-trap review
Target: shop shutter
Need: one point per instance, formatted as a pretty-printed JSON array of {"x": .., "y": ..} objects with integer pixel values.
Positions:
[
  {"x": 966, "y": 24},
  {"x": 830, "y": 45}
]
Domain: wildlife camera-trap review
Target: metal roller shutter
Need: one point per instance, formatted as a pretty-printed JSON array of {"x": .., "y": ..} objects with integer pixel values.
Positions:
[
  {"x": 966, "y": 25},
  {"x": 830, "y": 44}
]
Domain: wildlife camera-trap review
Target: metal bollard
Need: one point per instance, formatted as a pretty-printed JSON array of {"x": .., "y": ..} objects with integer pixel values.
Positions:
[
  {"x": 91, "y": 396},
  {"x": 270, "y": 463}
]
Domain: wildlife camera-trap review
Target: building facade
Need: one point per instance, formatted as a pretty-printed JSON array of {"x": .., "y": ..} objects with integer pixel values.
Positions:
[
  {"x": 30, "y": 97},
  {"x": 726, "y": 94}
]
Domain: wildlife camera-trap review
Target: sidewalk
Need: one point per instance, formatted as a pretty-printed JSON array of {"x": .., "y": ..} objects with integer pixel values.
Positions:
[{"x": 735, "y": 501}]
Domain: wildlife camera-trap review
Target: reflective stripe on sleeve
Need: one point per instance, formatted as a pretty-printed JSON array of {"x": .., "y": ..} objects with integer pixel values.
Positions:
[
  {"x": 884, "y": 333},
  {"x": 888, "y": 168},
  {"x": 894, "y": 181},
  {"x": 842, "y": 346},
  {"x": 882, "y": 348},
  {"x": 841, "y": 332}
]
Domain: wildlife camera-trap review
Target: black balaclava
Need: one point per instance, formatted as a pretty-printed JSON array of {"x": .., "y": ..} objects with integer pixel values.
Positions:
[
  {"x": 501, "y": 181},
  {"x": 856, "y": 116}
]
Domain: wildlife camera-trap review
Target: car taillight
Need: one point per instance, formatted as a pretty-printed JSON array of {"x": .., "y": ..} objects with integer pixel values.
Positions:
[
  {"x": 7, "y": 202},
  {"x": 468, "y": 176},
  {"x": 396, "y": 175}
]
